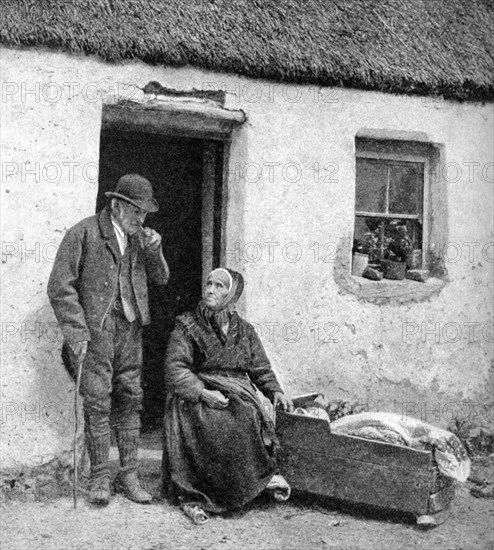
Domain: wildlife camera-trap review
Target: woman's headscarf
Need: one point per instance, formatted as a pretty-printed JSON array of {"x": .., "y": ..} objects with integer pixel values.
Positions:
[{"x": 220, "y": 315}]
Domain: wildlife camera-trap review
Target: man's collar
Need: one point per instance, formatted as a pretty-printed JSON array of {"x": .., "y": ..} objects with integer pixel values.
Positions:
[{"x": 117, "y": 226}]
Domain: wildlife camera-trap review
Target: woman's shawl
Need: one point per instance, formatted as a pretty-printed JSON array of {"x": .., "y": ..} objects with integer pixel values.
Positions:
[
  {"x": 197, "y": 358},
  {"x": 243, "y": 388},
  {"x": 194, "y": 348}
]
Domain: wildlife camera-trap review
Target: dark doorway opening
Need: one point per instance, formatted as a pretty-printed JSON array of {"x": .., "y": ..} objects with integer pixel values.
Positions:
[{"x": 187, "y": 176}]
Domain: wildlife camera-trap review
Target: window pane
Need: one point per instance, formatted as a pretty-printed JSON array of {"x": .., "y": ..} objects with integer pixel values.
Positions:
[
  {"x": 405, "y": 188},
  {"x": 372, "y": 177},
  {"x": 361, "y": 228}
]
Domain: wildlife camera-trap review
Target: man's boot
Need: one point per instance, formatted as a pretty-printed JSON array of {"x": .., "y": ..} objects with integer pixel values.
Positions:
[
  {"x": 97, "y": 434},
  {"x": 127, "y": 481}
]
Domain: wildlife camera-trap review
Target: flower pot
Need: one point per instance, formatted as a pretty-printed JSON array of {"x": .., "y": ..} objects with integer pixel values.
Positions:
[
  {"x": 394, "y": 270},
  {"x": 414, "y": 260},
  {"x": 359, "y": 263}
]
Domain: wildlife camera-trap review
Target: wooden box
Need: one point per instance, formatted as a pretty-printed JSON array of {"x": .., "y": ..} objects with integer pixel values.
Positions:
[{"x": 363, "y": 471}]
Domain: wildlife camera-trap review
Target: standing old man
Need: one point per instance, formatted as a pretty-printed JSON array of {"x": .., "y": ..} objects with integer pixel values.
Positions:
[{"x": 98, "y": 290}]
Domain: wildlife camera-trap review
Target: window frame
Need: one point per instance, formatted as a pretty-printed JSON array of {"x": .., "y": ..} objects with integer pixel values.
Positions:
[{"x": 426, "y": 202}]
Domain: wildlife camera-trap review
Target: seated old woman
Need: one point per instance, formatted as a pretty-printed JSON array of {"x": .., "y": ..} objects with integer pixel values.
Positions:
[{"x": 220, "y": 447}]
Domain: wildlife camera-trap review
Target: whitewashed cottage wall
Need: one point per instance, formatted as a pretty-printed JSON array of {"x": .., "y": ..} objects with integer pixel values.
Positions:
[{"x": 291, "y": 179}]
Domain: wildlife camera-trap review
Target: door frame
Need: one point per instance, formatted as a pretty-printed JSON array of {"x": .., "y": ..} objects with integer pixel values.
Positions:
[{"x": 191, "y": 115}]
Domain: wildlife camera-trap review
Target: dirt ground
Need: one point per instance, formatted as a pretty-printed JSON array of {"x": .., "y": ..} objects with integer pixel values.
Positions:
[{"x": 301, "y": 523}]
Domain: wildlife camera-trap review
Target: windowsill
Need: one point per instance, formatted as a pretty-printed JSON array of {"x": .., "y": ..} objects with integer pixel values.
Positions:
[{"x": 387, "y": 291}]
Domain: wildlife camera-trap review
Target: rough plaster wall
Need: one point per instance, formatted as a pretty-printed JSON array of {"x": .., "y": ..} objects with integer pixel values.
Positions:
[
  {"x": 42, "y": 131},
  {"x": 367, "y": 360},
  {"x": 362, "y": 354},
  {"x": 37, "y": 397}
]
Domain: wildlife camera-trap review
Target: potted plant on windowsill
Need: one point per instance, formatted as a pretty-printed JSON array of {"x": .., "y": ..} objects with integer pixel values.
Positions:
[
  {"x": 369, "y": 252},
  {"x": 375, "y": 244},
  {"x": 360, "y": 258},
  {"x": 397, "y": 252}
]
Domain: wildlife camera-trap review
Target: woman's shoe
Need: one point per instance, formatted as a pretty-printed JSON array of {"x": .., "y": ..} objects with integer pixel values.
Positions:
[
  {"x": 195, "y": 513},
  {"x": 279, "y": 488}
]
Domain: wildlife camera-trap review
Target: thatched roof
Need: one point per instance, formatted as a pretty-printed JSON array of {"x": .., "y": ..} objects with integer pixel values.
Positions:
[{"x": 429, "y": 47}]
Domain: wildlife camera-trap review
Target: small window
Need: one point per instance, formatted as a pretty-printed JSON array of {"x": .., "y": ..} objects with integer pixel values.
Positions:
[{"x": 391, "y": 203}]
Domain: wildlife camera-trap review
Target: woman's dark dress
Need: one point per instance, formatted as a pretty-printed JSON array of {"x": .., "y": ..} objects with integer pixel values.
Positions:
[{"x": 218, "y": 458}]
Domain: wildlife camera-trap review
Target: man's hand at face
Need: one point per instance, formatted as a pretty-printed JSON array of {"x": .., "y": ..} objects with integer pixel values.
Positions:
[{"x": 151, "y": 239}]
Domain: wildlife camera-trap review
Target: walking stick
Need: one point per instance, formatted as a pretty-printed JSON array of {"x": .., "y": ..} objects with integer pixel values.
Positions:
[{"x": 80, "y": 360}]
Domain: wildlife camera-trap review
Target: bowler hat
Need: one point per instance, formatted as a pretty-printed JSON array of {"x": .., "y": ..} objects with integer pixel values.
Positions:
[{"x": 136, "y": 190}]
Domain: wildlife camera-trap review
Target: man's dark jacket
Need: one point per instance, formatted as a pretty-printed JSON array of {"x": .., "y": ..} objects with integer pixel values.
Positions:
[{"x": 84, "y": 280}]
